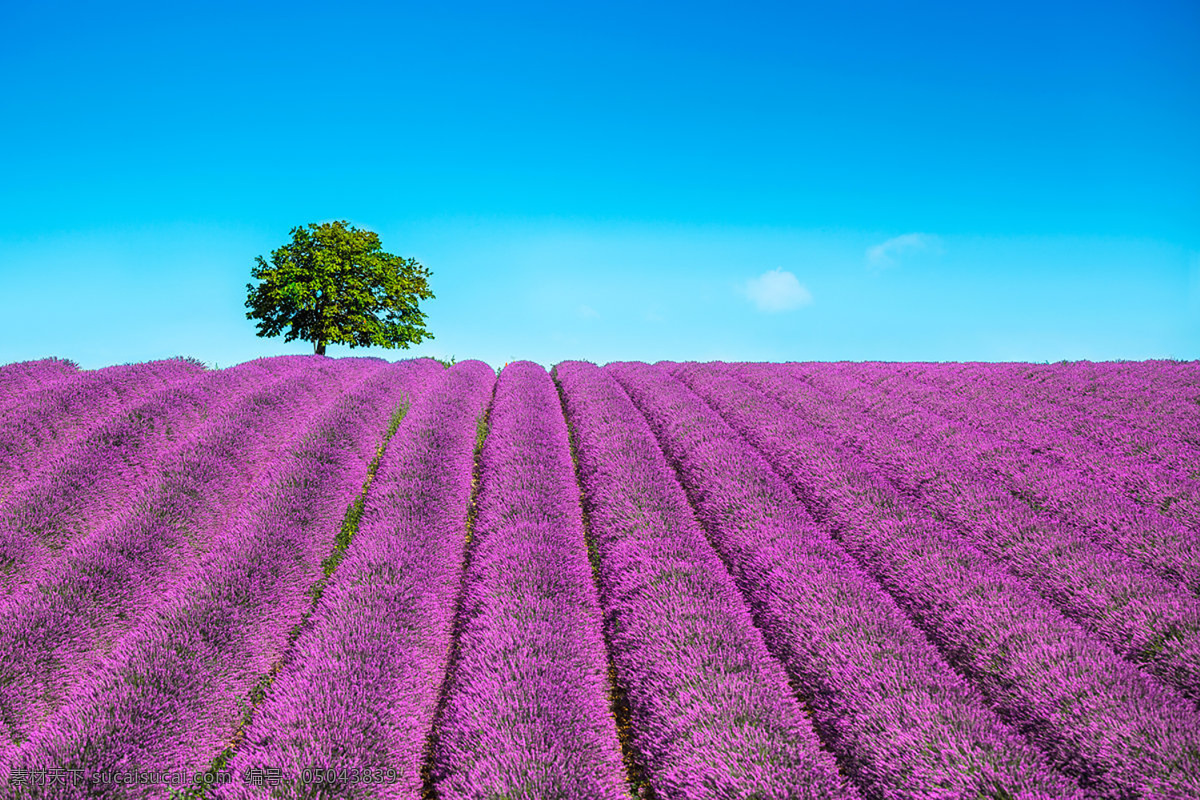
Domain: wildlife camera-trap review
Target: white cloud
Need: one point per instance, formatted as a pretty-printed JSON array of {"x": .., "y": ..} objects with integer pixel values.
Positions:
[
  {"x": 777, "y": 291},
  {"x": 588, "y": 312},
  {"x": 884, "y": 255}
]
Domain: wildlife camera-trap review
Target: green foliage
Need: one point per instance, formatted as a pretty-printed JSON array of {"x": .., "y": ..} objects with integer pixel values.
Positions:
[
  {"x": 444, "y": 362},
  {"x": 334, "y": 285}
]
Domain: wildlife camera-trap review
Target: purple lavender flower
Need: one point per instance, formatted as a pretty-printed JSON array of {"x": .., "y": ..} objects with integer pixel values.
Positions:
[
  {"x": 50, "y": 419},
  {"x": 1163, "y": 544},
  {"x": 1094, "y": 714},
  {"x": 886, "y": 703},
  {"x": 1123, "y": 603},
  {"x": 711, "y": 713},
  {"x": 20, "y": 379},
  {"x": 527, "y": 711},
  {"x": 168, "y": 692},
  {"x": 361, "y": 689}
]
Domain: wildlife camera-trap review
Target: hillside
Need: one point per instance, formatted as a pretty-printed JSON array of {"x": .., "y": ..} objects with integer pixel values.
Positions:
[{"x": 305, "y": 577}]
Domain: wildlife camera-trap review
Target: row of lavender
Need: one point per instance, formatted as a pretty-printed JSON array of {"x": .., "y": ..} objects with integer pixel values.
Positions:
[
  {"x": 842, "y": 609},
  {"x": 360, "y": 696},
  {"x": 85, "y": 580},
  {"x": 116, "y": 453},
  {"x": 999, "y": 694},
  {"x": 1096, "y": 715},
  {"x": 1145, "y": 617},
  {"x": 1146, "y": 477},
  {"x": 1115, "y": 391},
  {"x": 43, "y": 418},
  {"x": 101, "y": 666},
  {"x": 710, "y": 711},
  {"x": 17, "y": 380},
  {"x": 871, "y": 677},
  {"x": 511, "y": 697},
  {"x": 1166, "y": 545},
  {"x": 1150, "y": 424}
]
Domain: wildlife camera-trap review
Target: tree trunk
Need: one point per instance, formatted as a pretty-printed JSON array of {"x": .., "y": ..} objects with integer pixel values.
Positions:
[{"x": 319, "y": 348}]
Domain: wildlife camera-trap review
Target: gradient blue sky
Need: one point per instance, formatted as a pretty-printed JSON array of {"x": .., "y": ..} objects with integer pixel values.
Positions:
[{"x": 617, "y": 181}]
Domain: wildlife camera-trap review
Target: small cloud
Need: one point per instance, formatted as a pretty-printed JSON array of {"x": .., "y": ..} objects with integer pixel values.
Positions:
[
  {"x": 777, "y": 291},
  {"x": 587, "y": 312},
  {"x": 884, "y": 255}
]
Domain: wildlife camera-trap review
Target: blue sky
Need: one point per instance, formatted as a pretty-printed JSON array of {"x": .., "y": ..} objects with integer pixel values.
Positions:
[{"x": 701, "y": 181}]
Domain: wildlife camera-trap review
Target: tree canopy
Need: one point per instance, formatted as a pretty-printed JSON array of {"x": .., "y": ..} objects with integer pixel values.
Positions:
[{"x": 333, "y": 284}]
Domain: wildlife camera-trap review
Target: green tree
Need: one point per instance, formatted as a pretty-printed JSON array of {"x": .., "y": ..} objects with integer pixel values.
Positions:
[{"x": 332, "y": 284}]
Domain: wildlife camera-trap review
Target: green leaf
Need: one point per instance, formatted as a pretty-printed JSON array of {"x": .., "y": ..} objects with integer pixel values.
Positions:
[{"x": 333, "y": 284}]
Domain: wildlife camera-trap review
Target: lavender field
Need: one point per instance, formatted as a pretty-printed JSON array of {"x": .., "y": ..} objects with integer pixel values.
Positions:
[{"x": 305, "y": 577}]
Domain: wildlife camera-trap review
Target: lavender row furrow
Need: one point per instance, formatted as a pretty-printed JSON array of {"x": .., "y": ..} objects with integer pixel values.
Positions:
[
  {"x": 1155, "y": 467},
  {"x": 168, "y": 695},
  {"x": 98, "y": 477},
  {"x": 1163, "y": 544},
  {"x": 894, "y": 712},
  {"x": 1013, "y": 392},
  {"x": 1151, "y": 479},
  {"x": 1169, "y": 409},
  {"x": 19, "y": 379},
  {"x": 998, "y": 411},
  {"x": 59, "y": 625},
  {"x": 51, "y": 418},
  {"x": 711, "y": 713},
  {"x": 1157, "y": 432},
  {"x": 1140, "y": 615},
  {"x": 55, "y": 420},
  {"x": 383, "y": 624},
  {"x": 1127, "y": 381},
  {"x": 1139, "y": 431},
  {"x": 526, "y": 708},
  {"x": 1097, "y": 716}
]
